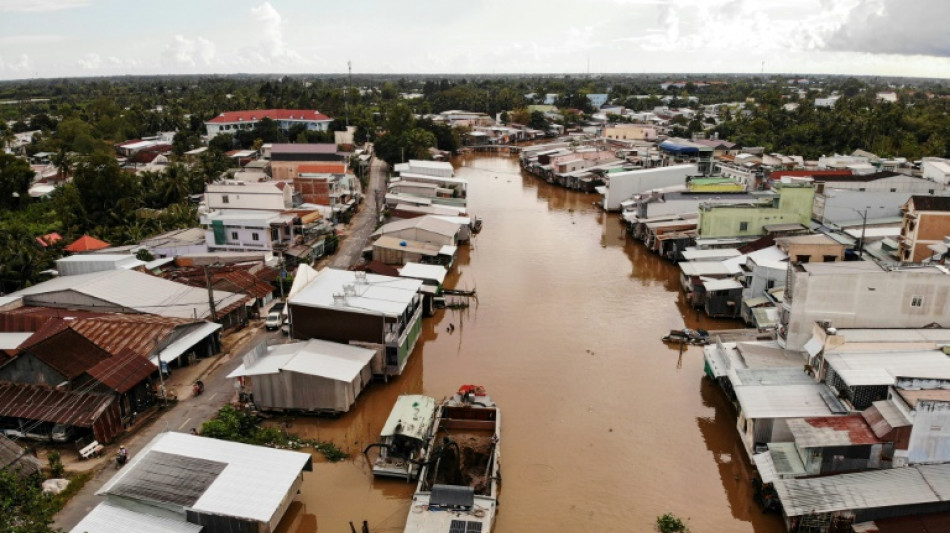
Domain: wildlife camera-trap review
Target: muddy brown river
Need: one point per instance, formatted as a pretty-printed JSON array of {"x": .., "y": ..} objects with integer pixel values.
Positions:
[{"x": 604, "y": 427}]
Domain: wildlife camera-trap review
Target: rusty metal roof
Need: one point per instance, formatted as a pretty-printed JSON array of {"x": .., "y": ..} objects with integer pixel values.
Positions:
[
  {"x": 140, "y": 333},
  {"x": 35, "y": 402},
  {"x": 228, "y": 279},
  {"x": 123, "y": 371},
  {"x": 63, "y": 350},
  {"x": 927, "y": 523},
  {"x": 852, "y": 430}
]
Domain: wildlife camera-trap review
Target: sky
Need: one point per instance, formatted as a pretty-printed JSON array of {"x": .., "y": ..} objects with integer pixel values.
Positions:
[{"x": 67, "y": 38}]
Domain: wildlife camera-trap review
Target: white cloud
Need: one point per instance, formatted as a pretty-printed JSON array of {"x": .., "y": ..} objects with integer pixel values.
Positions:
[
  {"x": 90, "y": 62},
  {"x": 22, "y": 64},
  {"x": 39, "y": 6},
  {"x": 272, "y": 46},
  {"x": 894, "y": 27},
  {"x": 185, "y": 52},
  {"x": 31, "y": 39}
]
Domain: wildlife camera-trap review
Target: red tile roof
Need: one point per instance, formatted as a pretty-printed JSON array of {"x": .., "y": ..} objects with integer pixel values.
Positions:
[
  {"x": 322, "y": 168},
  {"x": 778, "y": 174},
  {"x": 230, "y": 117},
  {"x": 123, "y": 371},
  {"x": 86, "y": 244}
]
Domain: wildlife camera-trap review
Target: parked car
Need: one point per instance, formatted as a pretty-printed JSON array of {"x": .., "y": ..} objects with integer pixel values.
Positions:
[
  {"x": 285, "y": 328},
  {"x": 62, "y": 433},
  {"x": 273, "y": 320}
]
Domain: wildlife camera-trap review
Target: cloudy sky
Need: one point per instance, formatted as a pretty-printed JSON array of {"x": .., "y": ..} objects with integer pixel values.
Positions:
[{"x": 53, "y": 38}]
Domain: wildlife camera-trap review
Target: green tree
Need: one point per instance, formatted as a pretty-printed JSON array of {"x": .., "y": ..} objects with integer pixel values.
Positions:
[
  {"x": 23, "y": 506},
  {"x": 108, "y": 194},
  {"x": 538, "y": 121},
  {"x": 15, "y": 178}
]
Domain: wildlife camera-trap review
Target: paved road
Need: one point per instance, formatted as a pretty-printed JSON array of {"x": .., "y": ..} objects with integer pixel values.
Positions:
[
  {"x": 186, "y": 414},
  {"x": 364, "y": 223}
]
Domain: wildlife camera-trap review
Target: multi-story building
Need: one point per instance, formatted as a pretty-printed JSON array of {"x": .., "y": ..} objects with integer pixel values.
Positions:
[
  {"x": 793, "y": 205},
  {"x": 926, "y": 223},
  {"x": 235, "y": 121}
]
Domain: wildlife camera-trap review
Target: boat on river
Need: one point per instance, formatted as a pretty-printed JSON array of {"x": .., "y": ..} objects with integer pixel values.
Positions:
[
  {"x": 687, "y": 336},
  {"x": 458, "y": 486},
  {"x": 405, "y": 435}
]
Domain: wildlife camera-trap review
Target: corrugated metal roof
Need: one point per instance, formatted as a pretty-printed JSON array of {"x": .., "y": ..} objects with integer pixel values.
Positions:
[
  {"x": 820, "y": 432},
  {"x": 705, "y": 268},
  {"x": 421, "y": 271},
  {"x": 168, "y": 478},
  {"x": 50, "y": 405},
  {"x": 63, "y": 349},
  {"x": 770, "y": 376},
  {"x": 882, "y": 368},
  {"x": 412, "y": 415},
  {"x": 928, "y": 523},
  {"x": 128, "y": 289},
  {"x": 379, "y": 295},
  {"x": 721, "y": 285},
  {"x": 253, "y": 485},
  {"x": 911, "y": 397},
  {"x": 782, "y": 401},
  {"x": 781, "y": 461},
  {"x": 110, "y": 518},
  {"x": 430, "y": 223},
  {"x": 195, "y": 334},
  {"x": 17, "y": 460},
  {"x": 865, "y": 490},
  {"x": 331, "y": 360},
  {"x": 123, "y": 371}
]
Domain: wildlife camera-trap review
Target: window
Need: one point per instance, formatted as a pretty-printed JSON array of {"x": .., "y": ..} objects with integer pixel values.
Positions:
[
  {"x": 743, "y": 226},
  {"x": 255, "y": 236},
  {"x": 224, "y": 199},
  {"x": 830, "y": 258},
  {"x": 769, "y": 284},
  {"x": 917, "y": 301},
  {"x": 234, "y": 236},
  {"x": 802, "y": 258}
]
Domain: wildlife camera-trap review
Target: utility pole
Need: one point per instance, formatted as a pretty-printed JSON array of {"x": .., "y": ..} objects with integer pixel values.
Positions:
[
  {"x": 346, "y": 92},
  {"x": 214, "y": 313}
]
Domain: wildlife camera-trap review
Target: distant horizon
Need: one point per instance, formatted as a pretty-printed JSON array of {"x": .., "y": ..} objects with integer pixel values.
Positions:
[
  {"x": 65, "y": 39},
  {"x": 672, "y": 76}
]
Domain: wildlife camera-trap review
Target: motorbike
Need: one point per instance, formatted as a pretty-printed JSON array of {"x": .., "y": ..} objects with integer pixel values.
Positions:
[
  {"x": 198, "y": 388},
  {"x": 121, "y": 459}
]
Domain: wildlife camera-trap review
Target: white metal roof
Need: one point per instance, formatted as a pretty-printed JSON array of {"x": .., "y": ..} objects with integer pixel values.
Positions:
[
  {"x": 866, "y": 490},
  {"x": 12, "y": 341},
  {"x": 721, "y": 285},
  {"x": 771, "y": 254},
  {"x": 425, "y": 177},
  {"x": 779, "y": 462},
  {"x": 183, "y": 344},
  {"x": 253, "y": 484},
  {"x": 379, "y": 295},
  {"x": 413, "y": 414},
  {"x": 782, "y": 401},
  {"x": 705, "y": 268},
  {"x": 421, "y": 271},
  {"x": 128, "y": 289},
  {"x": 888, "y": 335},
  {"x": 692, "y": 254},
  {"x": 430, "y": 223},
  {"x": 882, "y": 368},
  {"x": 111, "y": 518},
  {"x": 331, "y": 360}
]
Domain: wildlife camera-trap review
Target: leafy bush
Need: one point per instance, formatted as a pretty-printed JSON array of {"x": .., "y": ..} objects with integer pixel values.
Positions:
[
  {"x": 242, "y": 426},
  {"x": 55, "y": 465},
  {"x": 669, "y": 523}
]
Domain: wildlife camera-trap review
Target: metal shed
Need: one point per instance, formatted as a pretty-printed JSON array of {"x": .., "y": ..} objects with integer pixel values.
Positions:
[{"x": 316, "y": 375}]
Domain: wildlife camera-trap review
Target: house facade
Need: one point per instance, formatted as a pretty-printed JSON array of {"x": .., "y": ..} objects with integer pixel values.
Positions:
[
  {"x": 926, "y": 222},
  {"x": 235, "y": 121}
]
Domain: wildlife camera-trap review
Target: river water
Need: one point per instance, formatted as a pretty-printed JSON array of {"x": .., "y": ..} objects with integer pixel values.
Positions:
[{"x": 604, "y": 427}]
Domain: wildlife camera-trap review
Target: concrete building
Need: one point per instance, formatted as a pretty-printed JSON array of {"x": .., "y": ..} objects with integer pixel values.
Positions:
[
  {"x": 926, "y": 223},
  {"x": 358, "y": 308},
  {"x": 936, "y": 169},
  {"x": 793, "y": 205},
  {"x": 438, "y": 169},
  {"x": 182, "y": 482},
  {"x": 811, "y": 248},
  {"x": 265, "y": 196},
  {"x": 845, "y": 198},
  {"x": 235, "y": 121},
  {"x": 624, "y": 185},
  {"x": 429, "y": 229},
  {"x": 861, "y": 294}
]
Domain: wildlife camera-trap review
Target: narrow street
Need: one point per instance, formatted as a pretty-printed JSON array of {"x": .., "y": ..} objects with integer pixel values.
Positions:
[{"x": 364, "y": 223}]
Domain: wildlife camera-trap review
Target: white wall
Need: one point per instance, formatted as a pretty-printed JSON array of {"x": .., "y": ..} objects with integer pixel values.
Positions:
[
  {"x": 932, "y": 170},
  {"x": 623, "y": 185},
  {"x": 865, "y": 300},
  {"x": 244, "y": 240},
  {"x": 930, "y": 437},
  {"x": 848, "y": 205}
]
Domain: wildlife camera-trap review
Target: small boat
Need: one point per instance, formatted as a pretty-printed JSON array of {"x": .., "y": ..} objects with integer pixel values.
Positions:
[
  {"x": 687, "y": 336},
  {"x": 402, "y": 442},
  {"x": 458, "y": 485}
]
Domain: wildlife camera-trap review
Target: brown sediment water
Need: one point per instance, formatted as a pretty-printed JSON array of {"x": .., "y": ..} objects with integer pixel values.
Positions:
[{"x": 604, "y": 427}]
